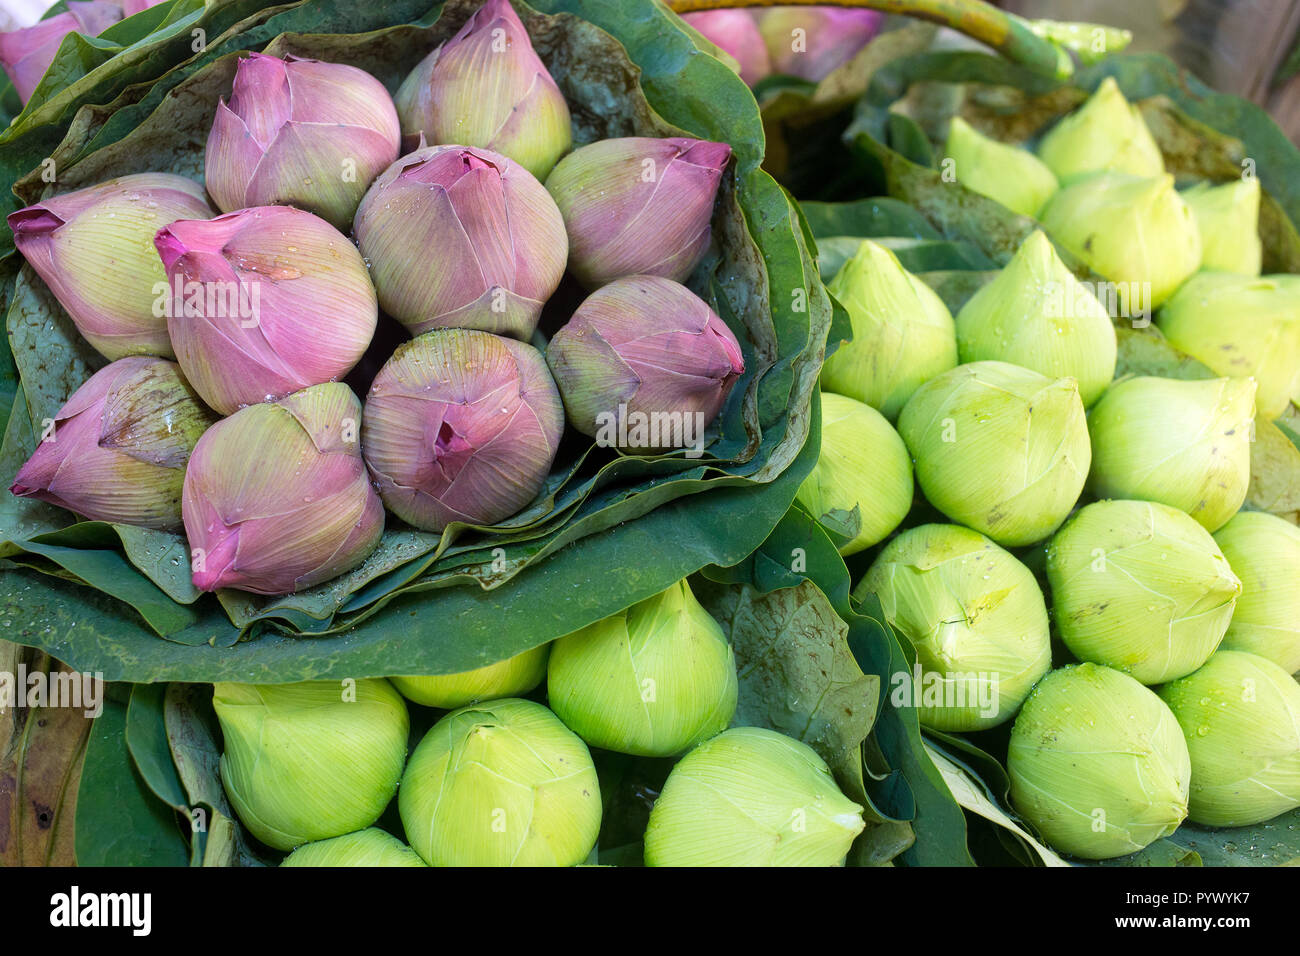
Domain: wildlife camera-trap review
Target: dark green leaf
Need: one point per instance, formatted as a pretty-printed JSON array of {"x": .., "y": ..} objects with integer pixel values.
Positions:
[{"x": 119, "y": 820}]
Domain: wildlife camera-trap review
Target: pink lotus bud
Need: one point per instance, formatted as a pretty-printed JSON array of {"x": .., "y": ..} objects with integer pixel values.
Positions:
[
  {"x": 486, "y": 87},
  {"x": 264, "y": 302},
  {"x": 737, "y": 32},
  {"x": 644, "y": 364},
  {"x": 117, "y": 449},
  {"x": 461, "y": 426},
  {"x": 462, "y": 238},
  {"x": 300, "y": 132},
  {"x": 27, "y": 53},
  {"x": 94, "y": 249},
  {"x": 813, "y": 42},
  {"x": 638, "y": 206},
  {"x": 277, "y": 498}
]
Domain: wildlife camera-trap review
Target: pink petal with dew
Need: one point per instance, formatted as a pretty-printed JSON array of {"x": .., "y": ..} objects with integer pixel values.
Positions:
[
  {"x": 231, "y": 159},
  {"x": 261, "y": 96},
  {"x": 336, "y": 94}
]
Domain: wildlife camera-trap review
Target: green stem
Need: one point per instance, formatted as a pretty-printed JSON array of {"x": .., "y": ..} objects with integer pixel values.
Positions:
[{"x": 1040, "y": 45}]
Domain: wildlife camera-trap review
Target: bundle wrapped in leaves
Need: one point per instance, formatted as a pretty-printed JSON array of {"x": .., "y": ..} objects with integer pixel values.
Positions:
[{"x": 602, "y": 525}]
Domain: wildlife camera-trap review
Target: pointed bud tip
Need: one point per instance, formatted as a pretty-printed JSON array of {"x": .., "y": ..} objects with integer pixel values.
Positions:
[
  {"x": 706, "y": 153},
  {"x": 33, "y": 222}
]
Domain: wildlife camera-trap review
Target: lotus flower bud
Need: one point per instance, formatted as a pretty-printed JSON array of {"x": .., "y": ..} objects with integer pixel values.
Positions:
[
  {"x": 306, "y": 762},
  {"x": 638, "y": 206},
  {"x": 1264, "y": 552},
  {"x": 863, "y": 465},
  {"x": 999, "y": 448},
  {"x": 1036, "y": 314},
  {"x": 975, "y": 617},
  {"x": 1013, "y": 176},
  {"x": 94, "y": 249},
  {"x": 264, "y": 302},
  {"x": 303, "y": 133},
  {"x": 1136, "y": 232},
  {"x": 644, "y": 364},
  {"x": 1260, "y": 340},
  {"x": 500, "y": 241},
  {"x": 508, "y": 678},
  {"x": 1183, "y": 443},
  {"x": 902, "y": 332},
  {"x": 1105, "y": 135},
  {"x": 1097, "y": 763},
  {"x": 276, "y": 496},
  {"x": 1140, "y": 587},
  {"x": 27, "y": 53},
  {"x": 1227, "y": 218},
  {"x": 736, "y": 33},
  {"x": 812, "y": 42},
  {"x": 461, "y": 426},
  {"x": 502, "y": 783},
  {"x": 653, "y": 680},
  {"x": 486, "y": 87},
  {"x": 1240, "y": 715},
  {"x": 117, "y": 449},
  {"x": 369, "y": 847},
  {"x": 751, "y": 797}
]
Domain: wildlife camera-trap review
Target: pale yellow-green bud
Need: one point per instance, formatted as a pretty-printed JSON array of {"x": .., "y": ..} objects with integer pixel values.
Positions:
[
  {"x": 1098, "y": 763},
  {"x": 999, "y": 448},
  {"x": 370, "y": 847},
  {"x": 1183, "y": 443},
  {"x": 1036, "y": 314},
  {"x": 1227, "y": 217},
  {"x": 1105, "y": 134},
  {"x": 1140, "y": 587},
  {"x": 1131, "y": 230},
  {"x": 508, "y": 678},
  {"x": 902, "y": 332},
  {"x": 502, "y": 783},
  {"x": 974, "y": 615},
  {"x": 305, "y": 762},
  {"x": 1264, "y": 552},
  {"x": 1013, "y": 176},
  {"x": 863, "y": 464},
  {"x": 1240, "y": 715},
  {"x": 652, "y": 680},
  {"x": 751, "y": 797},
  {"x": 1241, "y": 327}
]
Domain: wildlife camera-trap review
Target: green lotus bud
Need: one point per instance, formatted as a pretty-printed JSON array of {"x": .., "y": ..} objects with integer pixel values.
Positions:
[
  {"x": 1240, "y": 714},
  {"x": 999, "y": 448},
  {"x": 1140, "y": 587},
  {"x": 864, "y": 465},
  {"x": 1013, "y": 176},
  {"x": 1183, "y": 443},
  {"x": 1105, "y": 134},
  {"x": 370, "y": 847},
  {"x": 502, "y": 783},
  {"x": 1134, "y": 231},
  {"x": 653, "y": 680},
  {"x": 305, "y": 762},
  {"x": 508, "y": 678},
  {"x": 1264, "y": 552},
  {"x": 1097, "y": 763},
  {"x": 974, "y": 615},
  {"x": 1261, "y": 340},
  {"x": 902, "y": 332},
  {"x": 751, "y": 797},
  {"x": 1036, "y": 314},
  {"x": 1227, "y": 218}
]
